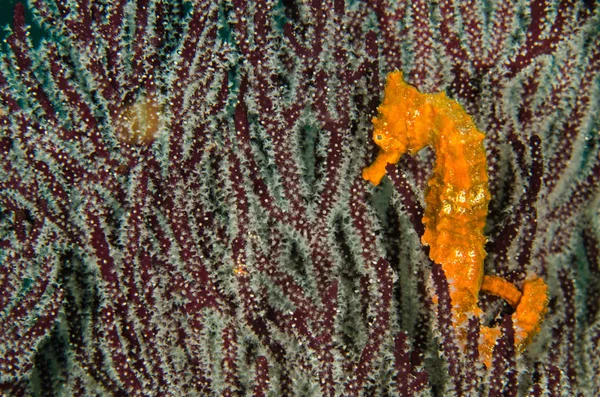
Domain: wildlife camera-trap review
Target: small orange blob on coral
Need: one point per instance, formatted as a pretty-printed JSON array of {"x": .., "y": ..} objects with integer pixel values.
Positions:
[
  {"x": 240, "y": 270},
  {"x": 139, "y": 121},
  {"x": 456, "y": 203}
]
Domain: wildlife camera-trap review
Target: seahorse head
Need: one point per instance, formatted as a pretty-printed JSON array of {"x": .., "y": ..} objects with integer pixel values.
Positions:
[
  {"x": 401, "y": 126},
  {"x": 388, "y": 133},
  {"x": 400, "y": 117}
]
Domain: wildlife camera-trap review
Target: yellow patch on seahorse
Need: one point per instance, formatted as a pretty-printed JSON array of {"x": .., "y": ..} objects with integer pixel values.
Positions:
[{"x": 456, "y": 203}]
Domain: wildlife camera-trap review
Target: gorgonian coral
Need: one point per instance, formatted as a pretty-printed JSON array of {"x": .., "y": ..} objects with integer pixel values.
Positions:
[{"x": 183, "y": 211}]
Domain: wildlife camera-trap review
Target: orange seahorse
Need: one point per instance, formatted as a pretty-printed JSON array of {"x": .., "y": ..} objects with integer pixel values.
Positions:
[{"x": 456, "y": 204}]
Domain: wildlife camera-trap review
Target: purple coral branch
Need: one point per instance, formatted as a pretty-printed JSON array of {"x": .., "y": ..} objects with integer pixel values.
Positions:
[{"x": 238, "y": 250}]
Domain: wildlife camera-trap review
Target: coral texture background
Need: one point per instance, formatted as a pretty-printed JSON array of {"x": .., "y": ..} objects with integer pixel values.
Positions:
[{"x": 183, "y": 213}]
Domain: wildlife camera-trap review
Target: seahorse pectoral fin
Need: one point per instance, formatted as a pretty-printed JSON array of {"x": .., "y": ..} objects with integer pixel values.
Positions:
[{"x": 376, "y": 170}]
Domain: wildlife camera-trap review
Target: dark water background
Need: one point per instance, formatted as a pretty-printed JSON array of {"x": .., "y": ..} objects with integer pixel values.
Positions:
[{"x": 6, "y": 17}]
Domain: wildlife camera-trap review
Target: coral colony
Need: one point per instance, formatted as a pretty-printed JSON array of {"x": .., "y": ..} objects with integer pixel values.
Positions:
[{"x": 183, "y": 210}]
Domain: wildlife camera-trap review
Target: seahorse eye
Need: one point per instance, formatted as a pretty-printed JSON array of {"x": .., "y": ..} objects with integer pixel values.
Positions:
[{"x": 379, "y": 137}]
